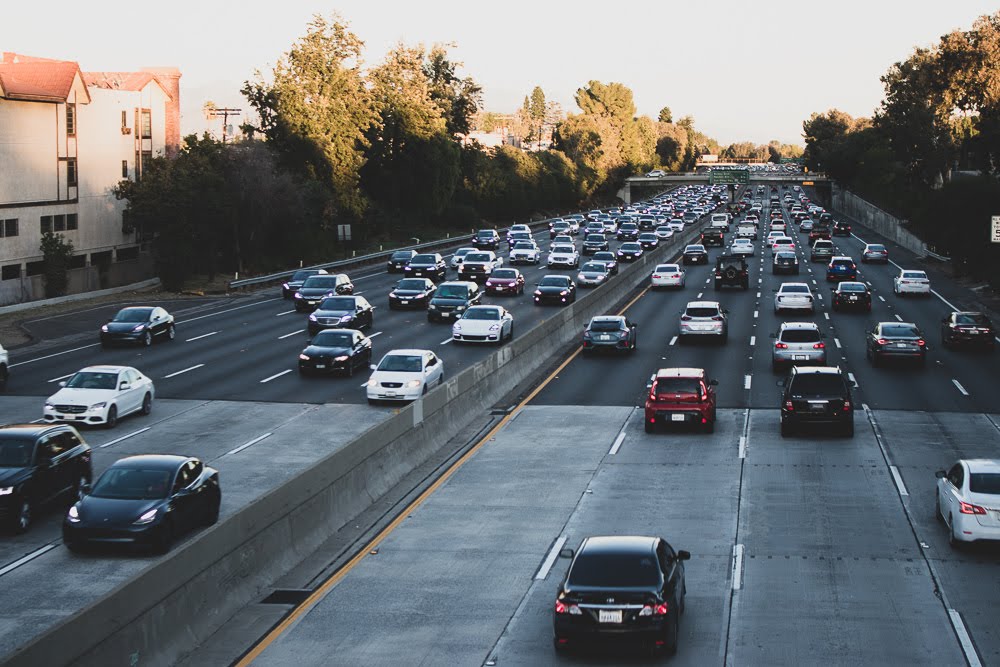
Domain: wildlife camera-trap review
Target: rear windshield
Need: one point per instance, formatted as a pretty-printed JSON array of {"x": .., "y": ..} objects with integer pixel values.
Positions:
[
  {"x": 794, "y": 289},
  {"x": 900, "y": 330},
  {"x": 971, "y": 318},
  {"x": 666, "y": 268},
  {"x": 614, "y": 571},
  {"x": 678, "y": 386},
  {"x": 852, "y": 287},
  {"x": 914, "y": 274},
  {"x": 607, "y": 325},
  {"x": 817, "y": 384},
  {"x": 985, "y": 482},
  {"x": 702, "y": 312},
  {"x": 800, "y": 336},
  {"x": 877, "y": 247}
]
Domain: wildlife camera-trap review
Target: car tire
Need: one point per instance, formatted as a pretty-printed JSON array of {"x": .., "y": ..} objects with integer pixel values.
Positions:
[
  {"x": 171, "y": 332},
  {"x": 147, "y": 339},
  {"x": 649, "y": 427},
  {"x": 164, "y": 538},
  {"x": 74, "y": 547},
  {"x": 212, "y": 514},
  {"x": 23, "y": 518},
  {"x": 112, "y": 419},
  {"x": 953, "y": 541},
  {"x": 673, "y": 637},
  {"x": 710, "y": 426},
  {"x": 4, "y": 374},
  {"x": 349, "y": 371},
  {"x": 849, "y": 429},
  {"x": 147, "y": 404},
  {"x": 786, "y": 429}
]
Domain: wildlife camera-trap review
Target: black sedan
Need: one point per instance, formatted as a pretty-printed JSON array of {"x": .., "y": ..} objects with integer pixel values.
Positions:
[
  {"x": 622, "y": 587},
  {"x": 336, "y": 351},
  {"x": 611, "y": 333},
  {"x": 896, "y": 340},
  {"x": 555, "y": 289},
  {"x": 146, "y": 500},
  {"x": 317, "y": 288},
  {"x": 290, "y": 286},
  {"x": 695, "y": 254},
  {"x": 427, "y": 265},
  {"x": 968, "y": 328},
  {"x": 343, "y": 312},
  {"x": 608, "y": 259},
  {"x": 852, "y": 295},
  {"x": 139, "y": 324},
  {"x": 629, "y": 252},
  {"x": 648, "y": 241},
  {"x": 411, "y": 293},
  {"x": 398, "y": 260}
]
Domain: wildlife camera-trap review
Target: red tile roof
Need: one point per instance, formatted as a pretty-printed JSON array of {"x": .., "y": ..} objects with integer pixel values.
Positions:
[{"x": 36, "y": 79}]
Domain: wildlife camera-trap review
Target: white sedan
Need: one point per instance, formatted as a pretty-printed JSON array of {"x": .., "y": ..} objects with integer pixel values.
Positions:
[
  {"x": 668, "y": 275},
  {"x": 664, "y": 232},
  {"x": 911, "y": 282},
  {"x": 741, "y": 247},
  {"x": 483, "y": 324},
  {"x": 780, "y": 244},
  {"x": 794, "y": 296},
  {"x": 101, "y": 395},
  {"x": 404, "y": 375},
  {"x": 968, "y": 500}
]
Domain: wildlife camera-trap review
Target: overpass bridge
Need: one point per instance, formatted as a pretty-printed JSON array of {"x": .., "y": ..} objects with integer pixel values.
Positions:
[{"x": 639, "y": 187}]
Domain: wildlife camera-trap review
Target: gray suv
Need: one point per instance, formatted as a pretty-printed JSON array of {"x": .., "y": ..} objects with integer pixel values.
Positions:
[
  {"x": 822, "y": 251},
  {"x": 797, "y": 343}
]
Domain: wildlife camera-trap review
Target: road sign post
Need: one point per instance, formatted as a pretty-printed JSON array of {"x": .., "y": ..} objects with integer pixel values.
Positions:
[{"x": 995, "y": 229}]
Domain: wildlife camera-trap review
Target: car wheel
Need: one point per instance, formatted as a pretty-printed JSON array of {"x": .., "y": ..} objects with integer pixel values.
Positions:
[
  {"x": 673, "y": 637},
  {"x": 953, "y": 540},
  {"x": 147, "y": 403},
  {"x": 4, "y": 374},
  {"x": 212, "y": 513},
  {"x": 164, "y": 538},
  {"x": 786, "y": 429},
  {"x": 78, "y": 493},
  {"x": 849, "y": 429},
  {"x": 147, "y": 339},
  {"x": 650, "y": 427},
  {"x": 112, "y": 418},
  {"x": 349, "y": 370},
  {"x": 74, "y": 547},
  {"x": 710, "y": 426},
  {"x": 23, "y": 518},
  {"x": 424, "y": 392},
  {"x": 171, "y": 332}
]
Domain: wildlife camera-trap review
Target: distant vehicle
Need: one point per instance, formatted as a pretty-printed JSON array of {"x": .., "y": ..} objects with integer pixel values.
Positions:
[
  {"x": 965, "y": 496},
  {"x": 456, "y": 259},
  {"x": 592, "y": 274},
  {"x": 704, "y": 318},
  {"x": 594, "y": 243},
  {"x": 477, "y": 266},
  {"x": 794, "y": 296},
  {"x": 851, "y": 295},
  {"x": 555, "y": 289},
  {"x": 100, "y": 395},
  {"x": 680, "y": 397},
  {"x": 317, "y": 288},
  {"x": 896, "y": 340},
  {"x": 841, "y": 268},
  {"x": 341, "y": 312},
  {"x": 649, "y": 240},
  {"x": 139, "y": 324},
  {"x": 486, "y": 239},
  {"x": 731, "y": 271},
  {"x": 292, "y": 285},
  {"x": 396, "y": 263},
  {"x": 656, "y": 173},
  {"x": 911, "y": 282},
  {"x": 563, "y": 256},
  {"x": 404, "y": 375},
  {"x": 797, "y": 343},
  {"x": 505, "y": 281},
  {"x": 695, "y": 254},
  {"x": 525, "y": 252},
  {"x": 336, "y": 351},
  {"x": 411, "y": 293},
  {"x": 875, "y": 252},
  {"x": 427, "y": 265},
  {"x": 822, "y": 249},
  {"x": 608, "y": 259},
  {"x": 629, "y": 252},
  {"x": 785, "y": 261},
  {"x": 612, "y": 333},
  {"x": 451, "y": 299},
  {"x": 668, "y": 275}
]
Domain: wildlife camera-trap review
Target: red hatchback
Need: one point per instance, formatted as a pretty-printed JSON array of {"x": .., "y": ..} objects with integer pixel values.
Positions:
[
  {"x": 505, "y": 281},
  {"x": 681, "y": 396}
]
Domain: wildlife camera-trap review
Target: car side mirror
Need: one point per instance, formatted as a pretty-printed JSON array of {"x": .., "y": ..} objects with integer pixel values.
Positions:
[
  {"x": 566, "y": 553},
  {"x": 124, "y": 385},
  {"x": 372, "y": 366},
  {"x": 683, "y": 555},
  {"x": 62, "y": 383},
  {"x": 940, "y": 474}
]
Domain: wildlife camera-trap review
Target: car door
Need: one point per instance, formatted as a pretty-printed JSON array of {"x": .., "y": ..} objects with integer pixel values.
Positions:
[
  {"x": 953, "y": 490},
  {"x": 51, "y": 473},
  {"x": 434, "y": 369},
  {"x": 130, "y": 398},
  {"x": 180, "y": 498}
]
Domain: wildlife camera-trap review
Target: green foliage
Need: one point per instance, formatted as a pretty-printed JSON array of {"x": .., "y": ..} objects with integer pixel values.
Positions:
[
  {"x": 56, "y": 253},
  {"x": 955, "y": 220},
  {"x": 536, "y": 105},
  {"x": 665, "y": 116},
  {"x": 457, "y": 99}
]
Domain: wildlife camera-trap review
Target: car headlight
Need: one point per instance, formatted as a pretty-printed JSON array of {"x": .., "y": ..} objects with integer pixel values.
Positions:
[
  {"x": 298, "y": 295},
  {"x": 146, "y": 518},
  {"x": 459, "y": 308},
  {"x": 431, "y": 306},
  {"x": 538, "y": 292},
  {"x": 312, "y": 317},
  {"x": 457, "y": 326},
  {"x": 581, "y": 277},
  {"x": 494, "y": 327},
  {"x": 98, "y": 406},
  {"x": 346, "y": 318},
  {"x": 6, "y": 490},
  {"x": 104, "y": 328},
  {"x": 139, "y": 327},
  {"x": 304, "y": 357},
  {"x": 373, "y": 382},
  {"x": 284, "y": 285},
  {"x": 413, "y": 383},
  {"x": 49, "y": 404},
  {"x": 342, "y": 357},
  {"x": 564, "y": 292},
  {"x": 600, "y": 278},
  {"x": 74, "y": 514}
]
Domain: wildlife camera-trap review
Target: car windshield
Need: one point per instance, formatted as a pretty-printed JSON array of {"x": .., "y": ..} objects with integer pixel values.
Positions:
[
  {"x": 402, "y": 254},
  {"x": 593, "y": 266},
  {"x": 520, "y": 236},
  {"x": 631, "y": 247},
  {"x": 800, "y": 336},
  {"x": 132, "y": 484},
  {"x": 485, "y": 235},
  {"x": 678, "y": 386},
  {"x": 876, "y": 248},
  {"x": 424, "y": 259},
  {"x": 300, "y": 276},
  {"x": 133, "y": 315},
  {"x": 477, "y": 257},
  {"x": 411, "y": 284},
  {"x": 524, "y": 245},
  {"x": 591, "y": 238},
  {"x": 337, "y": 303},
  {"x": 817, "y": 384},
  {"x": 320, "y": 282},
  {"x": 504, "y": 274},
  {"x": 971, "y": 318},
  {"x": 333, "y": 339},
  {"x": 900, "y": 331},
  {"x": 16, "y": 452},
  {"x": 93, "y": 380},
  {"x": 554, "y": 281},
  {"x": 614, "y": 571},
  {"x": 453, "y": 291},
  {"x": 794, "y": 289},
  {"x": 852, "y": 287},
  {"x": 482, "y": 314},
  {"x": 562, "y": 248},
  {"x": 702, "y": 311},
  {"x": 401, "y": 363},
  {"x": 846, "y": 263},
  {"x": 607, "y": 325},
  {"x": 985, "y": 482},
  {"x": 604, "y": 256}
]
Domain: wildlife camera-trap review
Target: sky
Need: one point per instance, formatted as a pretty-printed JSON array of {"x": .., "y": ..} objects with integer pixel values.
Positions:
[{"x": 746, "y": 71}]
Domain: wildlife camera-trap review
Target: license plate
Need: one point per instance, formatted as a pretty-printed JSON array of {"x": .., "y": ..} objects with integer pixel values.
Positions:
[
  {"x": 445, "y": 314},
  {"x": 390, "y": 393},
  {"x": 900, "y": 344},
  {"x": 799, "y": 357},
  {"x": 677, "y": 418},
  {"x": 605, "y": 616},
  {"x": 852, "y": 298},
  {"x": 320, "y": 365},
  {"x": 605, "y": 337},
  {"x": 404, "y": 301}
]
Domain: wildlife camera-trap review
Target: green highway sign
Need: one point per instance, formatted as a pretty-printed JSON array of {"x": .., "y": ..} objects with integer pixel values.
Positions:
[
  {"x": 729, "y": 176},
  {"x": 792, "y": 160}
]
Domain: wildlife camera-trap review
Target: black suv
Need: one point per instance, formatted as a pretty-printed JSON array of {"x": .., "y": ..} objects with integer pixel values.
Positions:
[
  {"x": 452, "y": 299},
  {"x": 39, "y": 464},
  {"x": 486, "y": 239},
  {"x": 731, "y": 271},
  {"x": 818, "y": 395},
  {"x": 713, "y": 237}
]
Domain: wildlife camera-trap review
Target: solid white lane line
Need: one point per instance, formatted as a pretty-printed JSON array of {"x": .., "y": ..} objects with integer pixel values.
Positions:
[
  {"x": 617, "y": 445},
  {"x": 550, "y": 559},
  {"x": 753, "y": 341},
  {"x": 201, "y": 336},
  {"x": 899, "y": 481},
  {"x": 377, "y": 333},
  {"x": 124, "y": 437},
  {"x": 191, "y": 368},
  {"x": 743, "y": 446},
  {"x": 49, "y": 356},
  {"x": 836, "y": 341},
  {"x": 61, "y": 377},
  {"x": 964, "y": 639},
  {"x": 737, "y": 567},
  {"x": 276, "y": 375},
  {"x": 248, "y": 444},
  {"x": 673, "y": 340},
  {"x": 288, "y": 335},
  {"x": 229, "y": 310},
  {"x": 959, "y": 386},
  {"x": 446, "y": 341},
  {"x": 287, "y": 312},
  {"x": 746, "y": 381},
  {"x": 881, "y": 297},
  {"x": 24, "y": 559},
  {"x": 850, "y": 376},
  {"x": 946, "y": 302},
  {"x": 898, "y": 317}
]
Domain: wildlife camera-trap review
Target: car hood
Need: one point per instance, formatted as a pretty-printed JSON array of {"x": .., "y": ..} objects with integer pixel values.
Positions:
[
  {"x": 501, "y": 281},
  {"x": 13, "y": 476},
  {"x": 473, "y": 326},
  {"x": 114, "y": 510},
  {"x": 334, "y": 313},
  {"x": 122, "y": 327},
  {"x": 315, "y": 350},
  {"x": 313, "y": 292},
  {"x": 409, "y": 292},
  {"x": 70, "y": 396}
]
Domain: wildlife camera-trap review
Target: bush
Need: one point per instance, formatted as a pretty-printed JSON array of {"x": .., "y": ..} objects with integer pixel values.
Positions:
[{"x": 57, "y": 252}]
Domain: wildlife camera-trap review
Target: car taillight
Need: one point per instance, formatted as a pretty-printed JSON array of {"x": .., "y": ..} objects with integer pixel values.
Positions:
[
  {"x": 717, "y": 318},
  {"x": 657, "y": 276},
  {"x": 969, "y": 508},
  {"x": 789, "y": 405},
  {"x": 881, "y": 341},
  {"x": 685, "y": 318},
  {"x": 819, "y": 346},
  {"x": 781, "y": 346},
  {"x": 655, "y": 610},
  {"x": 847, "y": 406},
  {"x": 921, "y": 342}
]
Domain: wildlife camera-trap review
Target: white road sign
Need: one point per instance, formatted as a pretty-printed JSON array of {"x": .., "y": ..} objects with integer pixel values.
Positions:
[{"x": 995, "y": 229}]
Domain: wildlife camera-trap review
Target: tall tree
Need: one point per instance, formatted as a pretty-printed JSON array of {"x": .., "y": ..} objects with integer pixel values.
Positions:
[
  {"x": 666, "y": 116},
  {"x": 459, "y": 99},
  {"x": 536, "y": 109}
]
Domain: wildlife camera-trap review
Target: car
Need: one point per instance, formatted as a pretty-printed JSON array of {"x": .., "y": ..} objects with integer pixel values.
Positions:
[
  {"x": 607, "y": 258},
  {"x": 816, "y": 396},
  {"x": 525, "y": 252},
  {"x": 968, "y": 328},
  {"x": 341, "y": 312},
  {"x": 518, "y": 229},
  {"x": 411, "y": 293},
  {"x": 100, "y": 395},
  {"x": 317, "y": 288},
  {"x": 841, "y": 228},
  {"x": 629, "y": 252},
  {"x": 292, "y": 285},
  {"x": 967, "y": 499},
  {"x": 594, "y": 243},
  {"x": 612, "y": 333},
  {"x": 875, "y": 252},
  {"x": 4, "y": 368},
  {"x": 703, "y": 318},
  {"x": 771, "y": 236},
  {"x": 594, "y": 228},
  {"x": 694, "y": 254},
  {"x": 805, "y": 225},
  {"x": 486, "y": 239},
  {"x": 742, "y": 247},
  {"x": 656, "y": 173},
  {"x": 720, "y": 220},
  {"x": 785, "y": 261},
  {"x": 820, "y": 231},
  {"x": 713, "y": 237},
  {"x": 505, "y": 281},
  {"x": 147, "y": 500},
  {"x": 483, "y": 324},
  {"x": 680, "y": 396},
  {"x": 404, "y": 375},
  {"x": 782, "y": 243},
  {"x": 895, "y": 340},
  {"x": 778, "y": 225},
  {"x": 795, "y": 343},
  {"x": 746, "y": 231},
  {"x": 575, "y": 222},
  {"x": 336, "y": 351},
  {"x": 563, "y": 256},
  {"x": 138, "y": 324},
  {"x": 648, "y": 241},
  {"x": 451, "y": 299},
  {"x": 40, "y": 465},
  {"x": 515, "y": 237},
  {"x": 910, "y": 281},
  {"x": 731, "y": 271},
  {"x": 554, "y": 289},
  {"x": 668, "y": 275},
  {"x": 459, "y": 255},
  {"x": 676, "y": 224},
  {"x": 851, "y": 294},
  {"x": 477, "y": 266},
  {"x": 794, "y": 296},
  {"x": 557, "y": 227},
  {"x": 629, "y": 231},
  {"x": 562, "y": 239},
  {"x": 593, "y": 274},
  {"x": 427, "y": 265},
  {"x": 397, "y": 261},
  {"x": 822, "y": 249},
  {"x": 621, "y": 586},
  {"x": 610, "y": 226},
  {"x": 664, "y": 232}
]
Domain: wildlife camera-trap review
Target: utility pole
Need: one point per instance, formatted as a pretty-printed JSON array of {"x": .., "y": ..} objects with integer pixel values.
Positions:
[{"x": 224, "y": 113}]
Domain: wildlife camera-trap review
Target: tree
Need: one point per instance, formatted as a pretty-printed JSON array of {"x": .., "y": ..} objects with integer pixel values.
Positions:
[
  {"x": 56, "y": 253},
  {"x": 613, "y": 101},
  {"x": 666, "y": 116},
  {"x": 458, "y": 99},
  {"x": 823, "y": 132},
  {"x": 536, "y": 109}
]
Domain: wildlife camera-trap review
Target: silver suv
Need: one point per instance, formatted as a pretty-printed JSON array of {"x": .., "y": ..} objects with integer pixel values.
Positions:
[
  {"x": 704, "y": 318},
  {"x": 822, "y": 250},
  {"x": 797, "y": 343}
]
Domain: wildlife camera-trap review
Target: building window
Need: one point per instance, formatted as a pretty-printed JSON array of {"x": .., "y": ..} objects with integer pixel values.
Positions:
[
  {"x": 46, "y": 224},
  {"x": 71, "y": 171},
  {"x": 71, "y": 221},
  {"x": 34, "y": 268},
  {"x": 124, "y": 168},
  {"x": 124, "y": 118},
  {"x": 71, "y": 119},
  {"x": 59, "y": 223},
  {"x": 10, "y": 272},
  {"x": 147, "y": 124},
  {"x": 8, "y": 227}
]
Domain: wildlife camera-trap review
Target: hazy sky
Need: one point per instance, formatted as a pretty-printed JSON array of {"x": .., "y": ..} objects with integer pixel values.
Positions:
[{"x": 744, "y": 70}]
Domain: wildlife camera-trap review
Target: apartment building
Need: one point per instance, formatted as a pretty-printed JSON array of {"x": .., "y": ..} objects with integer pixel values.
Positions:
[{"x": 67, "y": 137}]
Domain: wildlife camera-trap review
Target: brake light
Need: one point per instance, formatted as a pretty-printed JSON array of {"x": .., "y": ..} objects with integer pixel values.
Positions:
[
  {"x": 881, "y": 341},
  {"x": 819, "y": 346},
  {"x": 654, "y": 610},
  {"x": 685, "y": 318},
  {"x": 969, "y": 508},
  {"x": 789, "y": 405},
  {"x": 781, "y": 346},
  {"x": 657, "y": 276},
  {"x": 717, "y": 318},
  {"x": 921, "y": 342},
  {"x": 847, "y": 406},
  {"x": 571, "y": 609}
]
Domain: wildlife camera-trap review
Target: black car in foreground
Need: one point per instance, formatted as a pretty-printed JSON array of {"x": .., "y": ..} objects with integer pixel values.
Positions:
[
  {"x": 611, "y": 333},
  {"x": 555, "y": 289},
  {"x": 896, "y": 340},
  {"x": 145, "y": 500},
  {"x": 336, "y": 351},
  {"x": 40, "y": 464},
  {"x": 629, "y": 252},
  {"x": 816, "y": 396},
  {"x": 851, "y": 295},
  {"x": 139, "y": 324},
  {"x": 621, "y": 587},
  {"x": 342, "y": 312},
  {"x": 411, "y": 293},
  {"x": 968, "y": 328}
]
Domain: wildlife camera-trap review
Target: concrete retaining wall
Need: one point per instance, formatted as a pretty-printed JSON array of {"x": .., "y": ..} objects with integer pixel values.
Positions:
[
  {"x": 877, "y": 220},
  {"x": 84, "y": 282},
  {"x": 183, "y": 598}
]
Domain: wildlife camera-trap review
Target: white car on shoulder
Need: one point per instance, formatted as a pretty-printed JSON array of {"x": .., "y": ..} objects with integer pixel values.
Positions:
[
  {"x": 100, "y": 395},
  {"x": 483, "y": 324},
  {"x": 668, "y": 275},
  {"x": 910, "y": 281},
  {"x": 968, "y": 500},
  {"x": 794, "y": 296},
  {"x": 404, "y": 375},
  {"x": 525, "y": 252},
  {"x": 565, "y": 256}
]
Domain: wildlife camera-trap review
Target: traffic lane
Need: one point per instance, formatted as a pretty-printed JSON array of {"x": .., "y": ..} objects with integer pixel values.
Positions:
[{"x": 852, "y": 570}]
